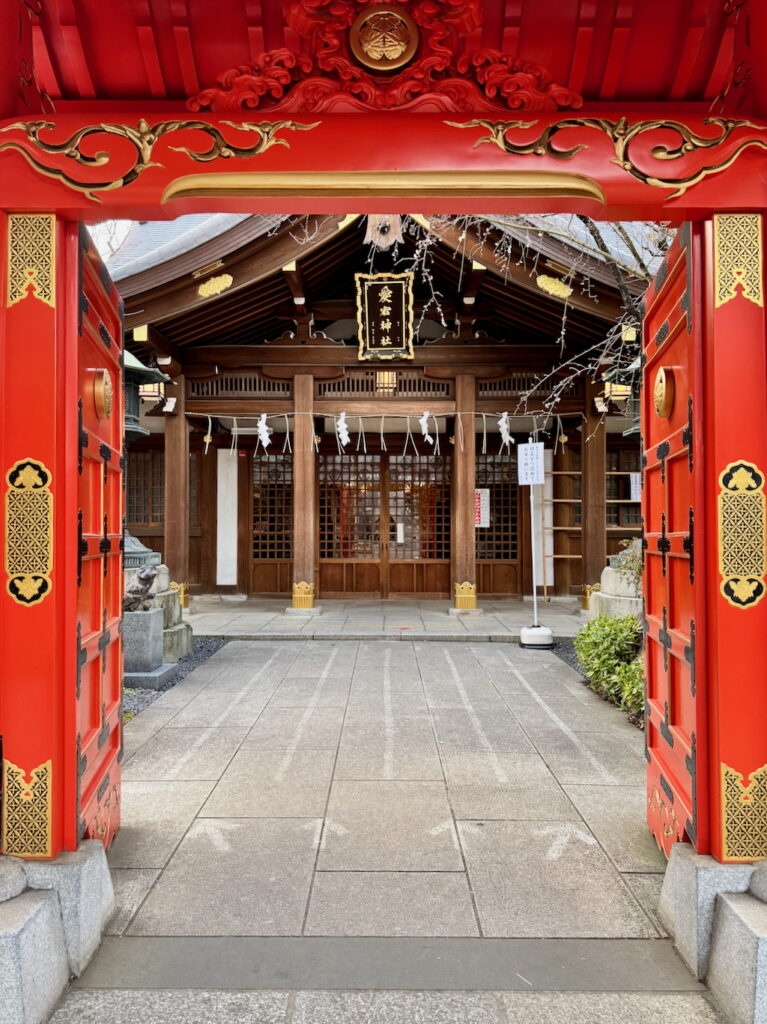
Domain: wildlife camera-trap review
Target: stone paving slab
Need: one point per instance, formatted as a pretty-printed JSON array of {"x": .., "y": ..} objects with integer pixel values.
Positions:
[
  {"x": 131, "y": 886},
  {"x": 180, "y": 753},
  {"x": 547, "y": 878},
  {"x": 615, "y": 814},
  {"x": 234, "y": 877},
  {"x": 390, "y": 903},
  {"x": 154, "y": 817},
  {"x": 258, "y": 783},
  {"x": 389, "y": 826},
  {"x": 392, "y": 964}
]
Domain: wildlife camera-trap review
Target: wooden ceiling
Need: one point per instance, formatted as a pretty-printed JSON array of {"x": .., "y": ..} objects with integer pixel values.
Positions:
[
  {"x": 607, "y": 50},
  {"x": 508, "y": 306}
]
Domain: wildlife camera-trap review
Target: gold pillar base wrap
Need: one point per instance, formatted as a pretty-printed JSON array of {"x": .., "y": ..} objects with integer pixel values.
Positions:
[
  {"x": 744, "y": 814},
  {"x": 465, "y": 595},
  {"x": 303, "y": 595},
  {"x": 183, "y": 593},
  {"x": 26, "y": 820}
]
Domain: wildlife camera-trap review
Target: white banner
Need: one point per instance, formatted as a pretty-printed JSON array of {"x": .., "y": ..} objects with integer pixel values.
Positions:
[
  {"x": 530, "y": 469},
  {"x": 636, "y": 486}
]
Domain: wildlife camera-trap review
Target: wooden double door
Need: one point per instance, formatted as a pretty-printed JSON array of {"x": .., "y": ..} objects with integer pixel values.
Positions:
[{"x": 384, "y": 525}]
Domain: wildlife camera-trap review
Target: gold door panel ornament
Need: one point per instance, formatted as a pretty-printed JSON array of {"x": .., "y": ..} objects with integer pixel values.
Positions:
[
  {"x": 742, "y": 534},
  {"x": 103, "y": 394},
  {"x": 663, "y": 392},
  {"x": 738, "y": 257},
  {"x": 744, "y": 814},
  {"x": 28, "y": 532},
  {"x": 31, "y": 257},
  {"x": 26, "y": 819}
]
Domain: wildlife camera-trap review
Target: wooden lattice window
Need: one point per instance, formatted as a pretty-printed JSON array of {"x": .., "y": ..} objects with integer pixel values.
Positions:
[
  {"x": 145, "y": 492},
  {"x": 350, "y": 506},
  {"x": 419, "y": 507},
  {"x": 499, "y": 542},
  {"x": 621, "y": 511},
  {"x": 272, "y": 507}
]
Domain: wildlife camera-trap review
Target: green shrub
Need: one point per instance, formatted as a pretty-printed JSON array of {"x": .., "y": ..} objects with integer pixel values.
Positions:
[
  {"x": 629, "y": 680},
  {"x": 605, "y": 643}
]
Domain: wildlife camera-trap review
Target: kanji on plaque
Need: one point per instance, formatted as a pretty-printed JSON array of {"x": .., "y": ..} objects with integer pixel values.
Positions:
[
  {"x": 530, "y": 469},
  {"x": 385, "y": 315}
]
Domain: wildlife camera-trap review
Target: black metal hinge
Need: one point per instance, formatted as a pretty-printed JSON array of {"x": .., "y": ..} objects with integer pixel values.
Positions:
[
  {"x": 691, "y": 764},
  {"x": 660, "y": 277},
  {"x": 664, "y": 639},
  {"x": 662, "y": 334},
  {"x": 661, "y": 453},
  {"x": 664, "y": 544},
  {"x": 689, "y": 544},
  {"x": 82, "y": 311},
  {"x": 106, "y": 337},
  {"x": 103, "y": 736},
  {"x": 106, "y": 454},
  {"x": 667, "y": 789},
  {"x": 82, "y": 436},
  {"x": 82, "y": 657},
  {"x": 665, "y": 729},
  {"x": 105, "y": 546},
  {"x": 82, "y": 547},
  {"x": 104, "y": 641},
  {"x": 687, "y": 433},
  {"x": 689, "y": 656},
  {"x": 647, "y": 712}
]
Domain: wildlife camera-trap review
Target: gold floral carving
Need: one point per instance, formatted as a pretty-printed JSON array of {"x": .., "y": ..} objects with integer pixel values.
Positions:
[
  {"x": 664, "y": 814},
  {"x": 622, "y": 134},
  {"x": 303, "y": 595},
  {"x": 663, "y": 392},
  {"x": 215, "y": 285},
  {"x": 26, "y": 818},
  {"x": 383, "y": 38},
  {"x": 32, "y": 257},
  {"x": 742, "y": 535},
  {"x": 143, "y": 138},
  {"x": 744, "y": 814},
  {"x": 28, "y": 532},
  {"x": 103, "y": 394},
  {"x": 465, "y": 595},
  {"x": 738, "y": 257}
]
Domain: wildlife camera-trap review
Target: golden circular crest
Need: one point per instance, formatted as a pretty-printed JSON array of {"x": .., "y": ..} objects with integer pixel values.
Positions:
[
  {"x": 383, "y": 38},
  {"x": 663, "y": 392},
  {"x": 103, "y": 394}
]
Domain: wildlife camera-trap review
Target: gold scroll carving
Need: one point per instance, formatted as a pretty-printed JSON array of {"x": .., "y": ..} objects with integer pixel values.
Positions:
[
  {"x": 28, "y": 532},
  {"x": 31, "y": 257},
  {"x": 26, "y": 819},
  {"x": 738, "y": 257},
  {"x": 744, "y": 814},
  {"x": 742, "y": 535}
]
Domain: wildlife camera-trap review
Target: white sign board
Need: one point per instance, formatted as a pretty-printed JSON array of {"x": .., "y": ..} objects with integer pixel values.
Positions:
[
  {"x": 482, "y": 507},
  {"x": 530, "y": 463},
  {"x": 400, "y": 533},
  {"x": 636, "y": 486}
]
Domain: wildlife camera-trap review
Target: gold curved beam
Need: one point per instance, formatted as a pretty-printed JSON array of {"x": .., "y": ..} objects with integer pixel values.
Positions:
[{"x": 387, "y": 184}]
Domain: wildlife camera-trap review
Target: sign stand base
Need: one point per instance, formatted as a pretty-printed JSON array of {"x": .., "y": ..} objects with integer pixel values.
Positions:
[{"x": 539, "y": 637}]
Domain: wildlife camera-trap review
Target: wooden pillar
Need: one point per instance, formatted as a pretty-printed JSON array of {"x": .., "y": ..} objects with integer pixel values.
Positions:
[
  {"x": 304, "y": 492},
  {"x": 464, "y": 466},
  {"x": 176, "y": 547},
  {"x": 593, "y": 489}
]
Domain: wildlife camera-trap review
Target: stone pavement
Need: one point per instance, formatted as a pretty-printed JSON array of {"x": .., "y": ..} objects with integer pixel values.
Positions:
[
  {"x": 267, "y": 618},
  {"x": 381, "y": 832}
]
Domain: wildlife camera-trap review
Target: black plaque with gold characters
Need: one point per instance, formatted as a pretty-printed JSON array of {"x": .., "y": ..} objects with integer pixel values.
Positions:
[{"x": 385, "y": 315}]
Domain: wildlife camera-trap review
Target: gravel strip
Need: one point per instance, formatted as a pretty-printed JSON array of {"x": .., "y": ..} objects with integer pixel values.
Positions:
[{"x": 136, "y": 700}]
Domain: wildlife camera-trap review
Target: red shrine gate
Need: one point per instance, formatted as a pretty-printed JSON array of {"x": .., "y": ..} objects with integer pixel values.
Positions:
[{"x": 442, "y": 135}]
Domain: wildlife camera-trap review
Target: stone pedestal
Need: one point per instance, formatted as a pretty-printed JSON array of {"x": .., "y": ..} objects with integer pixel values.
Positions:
[
  {"x": 688, "y": 899},
  {"x": 737, "y": 969},
  {"x": 618, "y": 595},
  {"x": 143, "y": 646},
  {"x": 52, "y": 917},
  {"x": 176, "y": 634}
]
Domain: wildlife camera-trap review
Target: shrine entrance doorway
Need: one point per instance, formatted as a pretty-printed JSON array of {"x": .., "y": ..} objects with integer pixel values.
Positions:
[{"x": 384, "y": 525}]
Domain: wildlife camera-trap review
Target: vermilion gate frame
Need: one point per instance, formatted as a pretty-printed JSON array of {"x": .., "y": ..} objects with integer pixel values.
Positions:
[{"x": 673, "y": 167}]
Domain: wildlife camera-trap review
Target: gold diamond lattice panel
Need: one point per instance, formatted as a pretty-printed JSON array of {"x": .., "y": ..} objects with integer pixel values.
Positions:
[
  {"x": 744, "y": 814},
  {"x": 28, "y": 531},
  {"x": 742, "y": 534},
  {"x": 31, "y": 257},
  {"x": 738, "y": 257},
  {"x": 26, "y": 821}
]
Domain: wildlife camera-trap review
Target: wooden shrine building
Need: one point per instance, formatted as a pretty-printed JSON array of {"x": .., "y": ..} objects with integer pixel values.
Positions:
[{"x": 262, "y": 318}]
